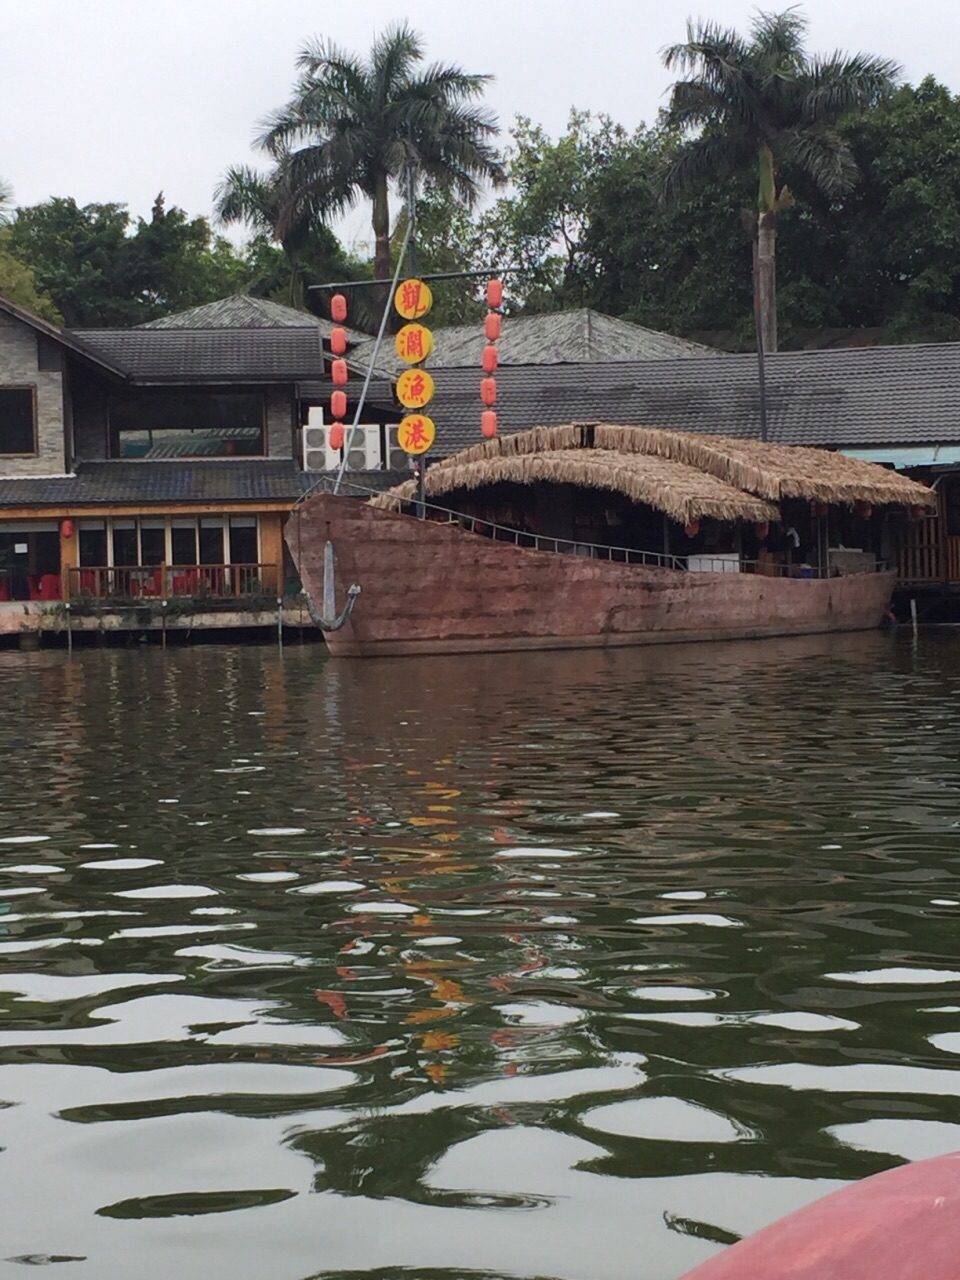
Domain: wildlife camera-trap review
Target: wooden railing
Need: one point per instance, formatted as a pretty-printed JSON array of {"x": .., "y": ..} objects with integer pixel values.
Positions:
[
  {"x": 173, "y": 581},
  {"x": 919, "y": 558}
]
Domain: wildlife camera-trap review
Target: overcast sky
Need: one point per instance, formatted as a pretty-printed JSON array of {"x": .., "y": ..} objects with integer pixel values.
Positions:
[{"x": 114, "y": 100}]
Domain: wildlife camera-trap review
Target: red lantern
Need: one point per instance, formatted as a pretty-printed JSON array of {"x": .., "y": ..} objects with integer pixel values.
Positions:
[
  {"x": 491, "y": 358},
  {"x": 338, "y": 404},
  {"x": 336, "y": 436},
  {"x": 820, "y": 509},
  {"x": 488, "y": 391},
  {"x": 864, "y": 510},
  {"x": 338, "y": 308},
  {"x": 494, "y": 293},
  {"x": 488, "y": 424},
  {"x": 338, "y": 341},
  {"x": 339, "y": 373},
  {"x": 762, "y": 529},
  {"x": 915, "y": 512},
  {"x": 66, "y": 528},
  {"x": 692, "y": 528},
  {"x": 491, "y": 326}
]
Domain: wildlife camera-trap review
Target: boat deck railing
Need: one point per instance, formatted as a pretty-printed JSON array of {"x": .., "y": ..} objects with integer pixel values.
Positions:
[
  {"x": 701, "y": 562},
  {"x": 694, "y": 562}
]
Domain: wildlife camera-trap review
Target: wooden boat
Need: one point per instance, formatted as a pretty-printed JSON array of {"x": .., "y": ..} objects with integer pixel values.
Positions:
[
  {"x": 460, "y": 582},
  {"x": 900, "y": 1225}
]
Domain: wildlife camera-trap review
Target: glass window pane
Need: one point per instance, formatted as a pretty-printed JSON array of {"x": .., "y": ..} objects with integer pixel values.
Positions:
[
  {"x": 16, "y": 420},
  {"x": 243, "y": 542},
  {"x": 184, "y": 544},
  {"x": 153, "y": 545},
  {"x": 168, "y": 424},
  {"x": 124, "y": 544},
  {"x": 93, "y": 545},
  {"x": 211, "y": 543}
]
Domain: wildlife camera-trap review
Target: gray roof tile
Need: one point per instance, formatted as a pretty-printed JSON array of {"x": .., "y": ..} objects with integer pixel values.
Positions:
[
  {"x": 253, "y": 480},
  {"x": 209, "y": 355},
  {"x": 830, "y": 399},
  {"x": 562, "y": 337}
]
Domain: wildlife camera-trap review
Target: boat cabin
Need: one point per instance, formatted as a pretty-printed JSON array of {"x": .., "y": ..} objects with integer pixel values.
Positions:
[{"x": 695, "y": 503}]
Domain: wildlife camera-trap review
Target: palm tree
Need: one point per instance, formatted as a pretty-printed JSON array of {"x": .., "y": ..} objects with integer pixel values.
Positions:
[
  {"x": 765, "y": 101},
  {"x": 6, "y": 201},
  {"x": 355, "y": 127}
]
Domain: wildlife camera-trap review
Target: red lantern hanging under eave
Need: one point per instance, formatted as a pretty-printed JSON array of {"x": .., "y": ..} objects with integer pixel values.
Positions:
[
  {"x": 491, "y": 358},
  {"x": 338, "y": 404},
  {"x": 338, "y": 308},
  {"x": 494, "y": 293},
  {"x": 691, "y": 528},
  {"x": 491, "y": 326},
  {"x": 488, "y": 391},
  {"x": 66, "y": 528},
  {"x": 488, "y": 424},
  {"x": 762, "y": 529},
  {"x": 821, "y": 509},
  {"x": 916, "y": 512},
  {"x": 336, "y": 436},
  {"x": 338, "y": 341},
  {"x": 339, "y": 373},
  {"x": 864, "y": 510}
]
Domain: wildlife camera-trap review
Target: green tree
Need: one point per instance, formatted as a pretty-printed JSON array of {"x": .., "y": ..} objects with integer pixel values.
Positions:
[
  {"x": 682, "y": 267},
  {"x": 75, "y": 254},
  {"x": 354, "y": 127},
  {"x": 18, "y": 284},
  {"x": 766, "y": 102},
  {"x": 447, "y": 240},
  {"x": 286, "y": 257},
  {"x": 541, "y": 225},
  {"x": 895, "y": 239},
  {"x": 101, "y": 271},
  {"x": 173, "y": 262}
]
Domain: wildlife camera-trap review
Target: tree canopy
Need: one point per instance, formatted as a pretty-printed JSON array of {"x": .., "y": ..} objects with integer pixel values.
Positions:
[
  {"x": 356, "y": 127},
  {"x": 763, "y": 104}
]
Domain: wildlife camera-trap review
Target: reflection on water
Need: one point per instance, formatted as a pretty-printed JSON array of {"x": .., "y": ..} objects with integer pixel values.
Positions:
[{"x": 567, "y": 965}]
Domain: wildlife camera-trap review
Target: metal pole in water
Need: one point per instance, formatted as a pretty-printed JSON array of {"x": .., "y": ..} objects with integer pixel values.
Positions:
[
  {"x": 280, "y": 621},
  {"x": 913, "y": 613},
  {"x": 69, "y": 629}
]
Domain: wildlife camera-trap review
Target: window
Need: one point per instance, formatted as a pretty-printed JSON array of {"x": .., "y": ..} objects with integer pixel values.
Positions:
[
  {"x": 175, "y": 424},
  {"x": 93, "y": 542},
  {"x": 17, "y": 420},
  {"x": 243, "y": 540}
]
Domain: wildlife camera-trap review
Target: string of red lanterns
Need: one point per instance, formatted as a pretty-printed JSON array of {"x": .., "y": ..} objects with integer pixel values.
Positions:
[
  {"x": 491, "y": 358},
  {"x": 339, "y": 373}
]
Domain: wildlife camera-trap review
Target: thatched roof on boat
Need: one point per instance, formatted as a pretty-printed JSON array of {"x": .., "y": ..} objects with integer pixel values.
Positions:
[
  {"x": 774, "y": 471},
  {"x": 681, "y": 492},
  {"x": 771, "y": 471}
]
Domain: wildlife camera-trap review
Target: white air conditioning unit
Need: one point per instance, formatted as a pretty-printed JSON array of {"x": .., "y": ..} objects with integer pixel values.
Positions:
[
  {"x": 397, "y": 458},
  {"x": 317, "y": 454},
  {"x": 365, "y": 452}
]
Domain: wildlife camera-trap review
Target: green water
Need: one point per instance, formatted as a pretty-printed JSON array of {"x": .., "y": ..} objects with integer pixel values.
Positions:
[{"x": 561, "y": 965}]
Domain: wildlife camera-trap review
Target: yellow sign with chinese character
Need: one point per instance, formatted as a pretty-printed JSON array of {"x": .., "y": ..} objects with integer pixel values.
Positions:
[
  {"x": 415, "y": 388},
  {"x": 416, "y": 433},
  {"x": 413, "y": 299},
  {"x": 414, "y": 343}
]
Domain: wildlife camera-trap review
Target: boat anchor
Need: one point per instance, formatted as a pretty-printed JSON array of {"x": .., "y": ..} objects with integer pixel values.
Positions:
[{"x": 328, "y": 619}]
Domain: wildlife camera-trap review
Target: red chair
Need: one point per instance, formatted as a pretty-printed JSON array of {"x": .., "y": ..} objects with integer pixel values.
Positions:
[
  {"x": 186, "y": 584},
  {"x": 88, "y": 581},
  {"x": 33, "y": 587},
  {"x": 50, "y": 588}
]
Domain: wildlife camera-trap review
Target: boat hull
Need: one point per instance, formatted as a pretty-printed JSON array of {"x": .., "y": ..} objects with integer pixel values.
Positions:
[
  {"x": 900, "y": 1225},
  {"x": 430, "y": 588}
]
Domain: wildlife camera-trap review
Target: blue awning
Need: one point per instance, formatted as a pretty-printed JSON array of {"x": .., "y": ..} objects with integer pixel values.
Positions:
[{"x": 904, "y": 458}]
